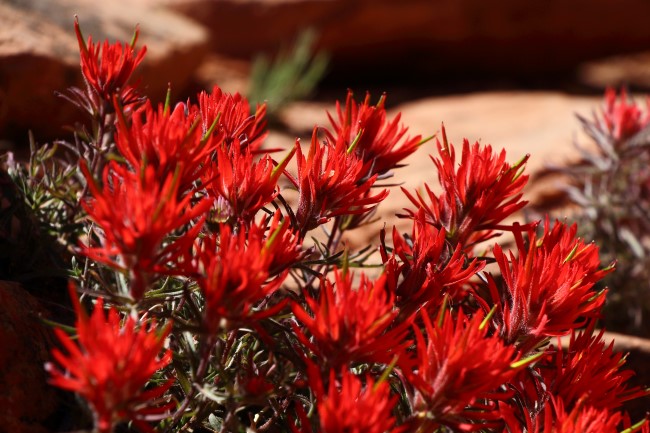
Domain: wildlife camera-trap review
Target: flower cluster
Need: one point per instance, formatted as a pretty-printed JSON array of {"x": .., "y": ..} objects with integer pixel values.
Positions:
[{"x": 185, "y": 222}]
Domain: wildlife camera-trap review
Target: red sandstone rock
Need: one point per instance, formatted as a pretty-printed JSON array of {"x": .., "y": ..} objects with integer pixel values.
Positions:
[
  {"x": 39, "y": 55},
  {"x": 26, "y": 399},
  {"x": 373, "y": 36}
]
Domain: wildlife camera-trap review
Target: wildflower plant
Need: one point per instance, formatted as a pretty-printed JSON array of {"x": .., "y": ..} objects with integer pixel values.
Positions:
[
  {"x": 211, "y": 312},
  {"x": 609, "y": 193}
]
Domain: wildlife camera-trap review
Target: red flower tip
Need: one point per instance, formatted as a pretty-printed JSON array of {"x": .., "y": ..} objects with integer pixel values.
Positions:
[
  {"x": 352, "y": 324},
  {"x": 621, "y": 119},
  {"x": 350, "y": 406},
  {"x": 136, "y": 213},
  {"x": 589, "y": 373},
  {"x": 228, "y": 117},
  {"x": 110, "y": 365},
  {"x": 458, "y": 370},
  {"x": 548, "y": 289},
  {"x": 170, "y": 141},
  {"x": 236, "y": 275},
  {"x": 377, "y": 141},
  {"x": 332, "y": 181},
  {"x": 107, "y": 68},
  {"x": 243, "y": 185},
  {"x": 477, "y": 194},
  {"x": 425, "y": 268}
]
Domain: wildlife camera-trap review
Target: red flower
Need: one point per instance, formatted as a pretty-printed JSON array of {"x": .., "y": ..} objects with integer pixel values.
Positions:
[
  {"x": 476, "y": 196},
  {"x": 137, "y": 212},
  {"x": 243, "y": 185},
  {"x": 168, "y": 141},
  {"x": 234, "y": 275},
  {"x": 621, "y": 119},
  {"x": 350, "y": 407},
  {"x": 557, "y": 419},
  {"x": 352, "y": 325},
  {"x": 332, "y": 181},
  {"x": 234, "y": 121},
  {"x": 548, "y": 288},
  {"x": 583, "y": 419},
  {"x": 110, "y": 366},
  {"x": 589, "y": 372},
  {"x": 377, "y": 139},
  {"x": 458, "y": 371},
  {"x": 428, "y": 267},
  {"x": 107, "y": 68}
]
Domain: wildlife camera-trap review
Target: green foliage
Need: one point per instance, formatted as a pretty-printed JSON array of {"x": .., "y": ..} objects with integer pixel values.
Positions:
[{"x": 292, "y": 75}]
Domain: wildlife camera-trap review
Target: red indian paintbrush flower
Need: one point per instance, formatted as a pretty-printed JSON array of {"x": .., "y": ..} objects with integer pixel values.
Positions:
[
  {"x": 235, "y": 269},
  {"x": 349, "y": 406},
  {"x": 167, "y": 140},
  {"x": 548, "y": 289},
  {"x": 428, "y": 268},
  {"x": 332, "y": 181},
  {"x": 243, "y": 186},
  {"x": 458, "y": 370},
  {"x": 621, "y": 119},
  {"x": 589, "y": 372},
  {"x": 379, "y": 142},
  {"x": 234, "y": 122},
  {"x": 556, "y": 418},
  {"x": 477, "y": 195},
  {"x": 137, "y": 212},
  {"x": 107, "y": 68},
  {"x": 110, "y": 366},
  {"x": 352, "y": 325}
]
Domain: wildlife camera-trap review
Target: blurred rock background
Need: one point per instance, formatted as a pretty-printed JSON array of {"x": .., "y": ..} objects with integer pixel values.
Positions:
[{"x": 506, "y": 72}]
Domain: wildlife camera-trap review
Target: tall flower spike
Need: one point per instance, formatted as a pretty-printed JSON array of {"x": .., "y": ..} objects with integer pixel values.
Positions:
[
  {"x": 229, "y": 117},
  {"x": 380, "y": 142},
  {"x": 352, "y": 325},
  {"x": 477, "y": 194},
  {"x": 167, "y": 140},
  {"x": 107, "y": 68},
  {"x": 458, "y": 370},
  {"x": 331, "y": 181},
  {"x": 137, "y": 212},
  {"x": 548, "y": 289},
  {"x": 235, "y": 276},
  {"x": 110, "y": 366},
  {"x": 349, "y": 406}
]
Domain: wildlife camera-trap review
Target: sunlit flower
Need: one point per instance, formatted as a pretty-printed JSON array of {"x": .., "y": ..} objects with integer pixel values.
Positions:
[
  {"x": 350, "y": 406},
  {"x": 548, "y": 289},
  {"x": 246, "y": 185},
  {"x": 170, "y": 141},
  {"x": 234, "y": 122},
  {"x": 621, "y": 118},
  {"x": 137, "y": 212},
  {"x": 378, "y": 141},
  {"x": 477, "y": 194},
  {"x": 107, "y": 68},
  {"x": 589, "y": 372},
  {"x": 352, "y": 324},
  {"x": 332, "y": 181},
  {"x": 458, "y": 370},
  {"x": 109, "y": 366},
  {"x": 235, "y": 275},
  {"x": 423, "y": 268}
]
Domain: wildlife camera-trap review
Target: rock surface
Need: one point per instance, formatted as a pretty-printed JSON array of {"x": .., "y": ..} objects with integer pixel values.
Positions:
[
  {"x": 27, "y": 401},
  {"x": 466, "y": 36},
  {"x": 39, "y": 55}
]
